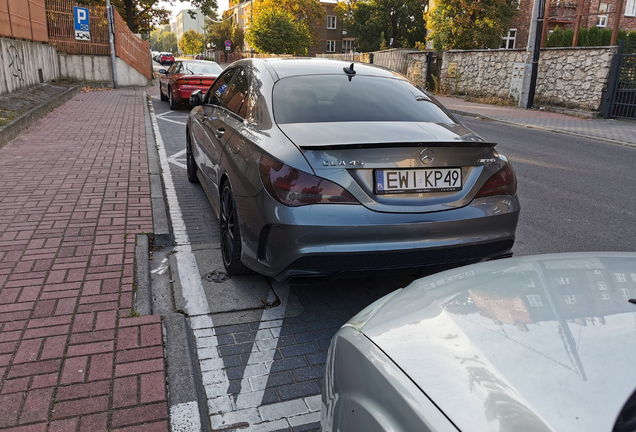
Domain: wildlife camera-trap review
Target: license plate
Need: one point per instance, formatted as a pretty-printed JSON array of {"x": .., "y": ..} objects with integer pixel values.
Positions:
[{"x": 418, "y": 180}]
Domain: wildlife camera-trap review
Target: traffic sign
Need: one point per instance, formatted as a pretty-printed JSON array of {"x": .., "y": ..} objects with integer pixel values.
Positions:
[
  {"x": 228, "y": 43},
  {"x": 227, "y": 48},
  {"x": 82, "y": 27}
]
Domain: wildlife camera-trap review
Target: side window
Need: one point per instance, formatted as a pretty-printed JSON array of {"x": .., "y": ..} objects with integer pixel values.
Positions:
[
  {"x": 237, "y": 93},
  {"x": 173, "y": 69},
  {"x": 217, "y": 90}
]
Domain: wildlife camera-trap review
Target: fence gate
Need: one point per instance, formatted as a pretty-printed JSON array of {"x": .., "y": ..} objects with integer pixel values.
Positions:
[{"x": 620, "y": 100}]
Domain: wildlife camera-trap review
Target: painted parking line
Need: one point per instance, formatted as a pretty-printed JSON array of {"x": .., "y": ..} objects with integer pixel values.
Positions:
[
  {"x": 224, "y": 408},
  {"x": 178, "y": 159}
]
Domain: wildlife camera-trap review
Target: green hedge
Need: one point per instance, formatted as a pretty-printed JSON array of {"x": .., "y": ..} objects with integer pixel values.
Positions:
[{"x": 593, "y": 36}]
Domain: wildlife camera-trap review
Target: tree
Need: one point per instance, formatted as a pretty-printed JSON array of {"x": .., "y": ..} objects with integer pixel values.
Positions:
[
  {"x": 308, "y": 13},
  {"x": 276, "y": 31},
  {"x": 167, "y": 42},
  {"x": 378, "y": 23},
  {"x": 142, "y": 15},
  {"x": 191, "y": 42},
  {"x": 218, "y": 32},
  {"x": 469, "y": 24}
]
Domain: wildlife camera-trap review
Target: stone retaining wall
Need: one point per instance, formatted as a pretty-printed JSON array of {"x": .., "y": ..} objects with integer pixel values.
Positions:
[
  {"x": 571, "y": 77},
  {"x": 24, "y": 63}
]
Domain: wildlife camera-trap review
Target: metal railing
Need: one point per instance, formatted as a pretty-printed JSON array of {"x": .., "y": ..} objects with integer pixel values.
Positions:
[{"x": 61, "y": 28}]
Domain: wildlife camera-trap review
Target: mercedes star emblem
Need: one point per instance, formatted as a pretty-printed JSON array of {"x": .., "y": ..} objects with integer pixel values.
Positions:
[{"x": 427, "y": 156}]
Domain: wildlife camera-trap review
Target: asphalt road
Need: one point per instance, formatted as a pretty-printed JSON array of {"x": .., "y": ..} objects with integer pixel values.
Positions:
[{"x": 576, "y": 195}]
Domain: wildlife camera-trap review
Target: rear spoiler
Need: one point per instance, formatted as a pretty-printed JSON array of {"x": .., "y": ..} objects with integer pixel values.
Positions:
[{"x": 400, "y": 144}]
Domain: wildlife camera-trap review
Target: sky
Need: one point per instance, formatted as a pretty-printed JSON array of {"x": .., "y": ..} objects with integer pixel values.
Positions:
[{"x": 178, "y": 6}]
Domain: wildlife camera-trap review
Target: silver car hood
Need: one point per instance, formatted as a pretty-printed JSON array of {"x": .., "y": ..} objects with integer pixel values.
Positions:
[
  {"x": 335, "y": 133},
  {"x": 544, "y": 343}
]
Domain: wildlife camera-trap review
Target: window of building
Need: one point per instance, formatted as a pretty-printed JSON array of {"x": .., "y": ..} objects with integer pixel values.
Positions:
[
  {"x": 534, "y": 300},
  {"x": 620, "y": 277},
  {"x": 508, "y": 41},
  {"x": 630, "y": 8},
  {"x": 602, "y": 286},
  {"x": 331, "y": 46},
  {"x": 347, "y": 45},
  {"x": 625, "y": 292},
  {"x": 563, "y": 281},
  {"x": 605, "y": 296},
  {"x": 602, "y": 21},
  {"x": 331, "y": 21},
  {"x": 570, "y": 299}
]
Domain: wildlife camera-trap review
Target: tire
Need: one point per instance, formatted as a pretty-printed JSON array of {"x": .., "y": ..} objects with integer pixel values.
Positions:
[
  {"x": 230, "y": 234},
  {"x": 163, "y": 97},
  {"x": 173, "y": 104},
  {"x": 191, "y": 164}
]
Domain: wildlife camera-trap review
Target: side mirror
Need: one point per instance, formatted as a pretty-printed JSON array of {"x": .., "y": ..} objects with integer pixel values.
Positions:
[
  {"x": 163, "y": 71},
  {"x": 196, "y": 98}
]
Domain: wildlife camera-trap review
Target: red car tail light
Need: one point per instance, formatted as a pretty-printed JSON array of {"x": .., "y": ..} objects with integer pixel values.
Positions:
[
  {"x": 294, "y": 188},
  {"x": 504, "y": 182}
]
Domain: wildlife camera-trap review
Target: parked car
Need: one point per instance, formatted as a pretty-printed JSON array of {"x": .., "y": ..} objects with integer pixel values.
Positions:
[
  {"x": 166, "y": 58},
  {"x": 199, "y": 57},
  {"x": 183, "y": 77},
  {"x": 319, "y": 168},
  {"x": 538, "y": 343}
]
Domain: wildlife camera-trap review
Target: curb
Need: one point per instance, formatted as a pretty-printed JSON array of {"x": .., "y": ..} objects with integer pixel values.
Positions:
[
  {"x": 160, "y": 221},
  {"x": 142, "y": 302},
  {"x": 186, "y": 402},
  {"x": 494, "y": 119},
  {"x": 24, "y": 121}
]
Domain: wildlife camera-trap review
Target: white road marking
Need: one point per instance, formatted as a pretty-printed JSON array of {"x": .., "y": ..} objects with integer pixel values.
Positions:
[
  {"x": 172, "y": 121},
  {"x": 222, "y": 407},
  {"x": 184, "y": 417},
  {"x": 162, "y": 267},
  {"x": 176, "y": 159},
  {"x": 189, "y": 276}
]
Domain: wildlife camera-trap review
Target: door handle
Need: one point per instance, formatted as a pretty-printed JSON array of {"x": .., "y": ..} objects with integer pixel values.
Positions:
[{"x": 219, "y": 132}]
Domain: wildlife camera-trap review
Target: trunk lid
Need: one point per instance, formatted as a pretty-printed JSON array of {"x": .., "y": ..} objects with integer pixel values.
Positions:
[{"x": 352, "y": 154}]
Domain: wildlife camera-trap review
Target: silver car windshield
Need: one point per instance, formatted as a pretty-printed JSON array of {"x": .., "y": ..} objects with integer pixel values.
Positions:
[{"x": 336, "y": 98}]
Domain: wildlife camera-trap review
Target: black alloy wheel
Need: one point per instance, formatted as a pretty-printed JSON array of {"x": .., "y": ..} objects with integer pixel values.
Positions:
[
  {"x": 191, "y": 164},
  {"x": 173, "y": 104},
  {"x": 230, "y": 234}
]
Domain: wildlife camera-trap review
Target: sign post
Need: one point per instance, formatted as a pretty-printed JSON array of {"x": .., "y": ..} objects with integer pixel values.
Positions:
[
  {"x": 82, "y": 27},
  {"x": 228, "y": 47}
]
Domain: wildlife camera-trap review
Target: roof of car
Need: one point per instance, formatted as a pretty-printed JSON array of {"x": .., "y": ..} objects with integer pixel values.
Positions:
[{"x": 285, "y": 67}]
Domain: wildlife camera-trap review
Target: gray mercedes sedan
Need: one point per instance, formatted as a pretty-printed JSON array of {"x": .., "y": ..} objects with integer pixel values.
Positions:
[
  {"x": 542, "y": 343},
  {"x": 318, "y": 168}
]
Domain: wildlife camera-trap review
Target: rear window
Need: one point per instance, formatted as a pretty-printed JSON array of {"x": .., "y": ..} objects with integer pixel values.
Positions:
[
  {"x": 197, "y": 68},
  {"x": 333, "y": 98}
]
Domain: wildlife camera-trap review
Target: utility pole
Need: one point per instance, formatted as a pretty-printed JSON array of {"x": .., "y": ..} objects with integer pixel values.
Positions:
[
  {"x": 617, "y": 21},
  {"x": 111, "y": 40},
  {"x": 533, "y": 51}
]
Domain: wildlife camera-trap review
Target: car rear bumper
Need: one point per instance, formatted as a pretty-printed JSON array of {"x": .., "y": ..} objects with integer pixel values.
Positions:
[
  {"x": 327, "y": 241},
  {"x": 183, "y": 92}
]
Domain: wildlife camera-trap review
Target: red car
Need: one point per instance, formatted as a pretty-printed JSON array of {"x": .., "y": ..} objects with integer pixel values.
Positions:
[
  {"x": 184, "y": 76},
  {"x": 166, "y": 58}
]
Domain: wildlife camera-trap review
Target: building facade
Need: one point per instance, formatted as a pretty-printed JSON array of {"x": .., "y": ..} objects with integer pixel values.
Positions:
[
  {"x": 600, "y": 13},
  {"x": 333, "y": 37},
  {"x": 185, "y": 22}
]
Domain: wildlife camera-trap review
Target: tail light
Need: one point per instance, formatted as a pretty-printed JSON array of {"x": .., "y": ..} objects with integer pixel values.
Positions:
[
  {"x": 504, "y": 182},
  {"x": 294, "y": 188}
]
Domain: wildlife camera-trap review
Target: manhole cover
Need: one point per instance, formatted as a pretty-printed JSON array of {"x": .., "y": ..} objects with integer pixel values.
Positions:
[{"x": 217, "y": 276}]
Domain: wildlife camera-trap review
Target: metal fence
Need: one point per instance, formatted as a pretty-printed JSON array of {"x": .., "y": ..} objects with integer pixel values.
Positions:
[
  {"x": 131, "y": 48},
  {"x": 24, "y": 19},
  {"x": 59, "y": 16}
]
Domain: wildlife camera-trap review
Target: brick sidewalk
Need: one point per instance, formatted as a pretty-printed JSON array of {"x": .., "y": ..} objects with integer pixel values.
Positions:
[
  {"x": 74, "y": 191},
  {"x": 612, "y": 130}
]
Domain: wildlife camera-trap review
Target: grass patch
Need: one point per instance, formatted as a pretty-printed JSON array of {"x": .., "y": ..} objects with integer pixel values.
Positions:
[
  {"x": 492, "y": 100},
  {"x": 6, "y": 115}
]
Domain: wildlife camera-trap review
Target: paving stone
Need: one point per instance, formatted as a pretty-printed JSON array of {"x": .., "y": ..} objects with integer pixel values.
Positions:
[{"x": 299, "y": 390}]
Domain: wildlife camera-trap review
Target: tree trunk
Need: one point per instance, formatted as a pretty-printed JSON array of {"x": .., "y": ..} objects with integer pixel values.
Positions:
[{"x": 130, "y": 15}]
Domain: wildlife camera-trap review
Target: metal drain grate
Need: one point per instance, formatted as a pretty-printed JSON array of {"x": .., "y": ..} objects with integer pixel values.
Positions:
[{"x": 217, "y": 276}]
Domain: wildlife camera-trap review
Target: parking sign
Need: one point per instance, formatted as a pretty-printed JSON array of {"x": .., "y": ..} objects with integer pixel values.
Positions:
[{"x": 82, "y": 29}]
